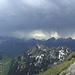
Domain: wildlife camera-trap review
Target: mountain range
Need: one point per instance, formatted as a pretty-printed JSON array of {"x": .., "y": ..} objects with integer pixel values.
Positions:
[
  {"x": 13, "y": 46},
  {"x": 37, "y": 57}
]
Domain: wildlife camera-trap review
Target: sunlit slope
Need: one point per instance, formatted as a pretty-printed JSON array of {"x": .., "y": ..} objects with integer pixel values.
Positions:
[{"x": 56, "y": 70}]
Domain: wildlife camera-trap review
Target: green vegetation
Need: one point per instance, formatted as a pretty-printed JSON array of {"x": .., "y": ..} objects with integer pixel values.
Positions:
[
  {"x": 4, "y": 66},
  {"x": 56, "y": 70},
  {"x": 72, "y": 56}
]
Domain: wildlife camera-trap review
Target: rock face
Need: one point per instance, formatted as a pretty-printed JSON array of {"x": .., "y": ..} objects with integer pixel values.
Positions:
[
  {"x": 63, "y": 53},
  {"x": 38, "y": 59},
  {"x": 69, "y": 71}
]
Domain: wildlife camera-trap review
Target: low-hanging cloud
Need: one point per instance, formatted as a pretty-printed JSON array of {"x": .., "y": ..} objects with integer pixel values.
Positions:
[{"x": 37, "y": 34}]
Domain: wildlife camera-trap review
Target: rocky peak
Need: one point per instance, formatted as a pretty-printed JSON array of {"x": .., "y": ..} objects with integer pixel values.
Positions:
[
  {"x": 63, "y": 52},
  {"x": 39, "y": 58},
  {"x": 40, "y": 46}
]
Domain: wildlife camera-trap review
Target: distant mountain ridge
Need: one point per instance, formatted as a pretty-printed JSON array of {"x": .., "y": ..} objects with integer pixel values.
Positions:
[{"x": 14, "y": 46}]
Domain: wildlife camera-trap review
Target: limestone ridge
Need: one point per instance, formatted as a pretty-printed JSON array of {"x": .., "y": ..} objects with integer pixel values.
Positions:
[{"x": 38, "y": 59}]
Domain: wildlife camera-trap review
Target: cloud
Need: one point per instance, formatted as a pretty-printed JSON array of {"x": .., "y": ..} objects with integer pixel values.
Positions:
[
  {"x": 37, "y": 34},
  {"x": 38, "y": 3},
  {"x": 73, "y": 36},
  {"x": 40, "y": 6},
  {"x": 40, "y": 19}
]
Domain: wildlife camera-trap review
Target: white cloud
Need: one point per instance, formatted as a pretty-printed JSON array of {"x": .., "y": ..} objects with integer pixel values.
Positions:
[
  {"x": 73, "y": 36},
  {"x": 55, "y": 34},
  {"x": 37, "y": 34}
]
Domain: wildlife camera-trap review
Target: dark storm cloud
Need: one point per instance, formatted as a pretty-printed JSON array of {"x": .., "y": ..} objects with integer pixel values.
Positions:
[{"x": 37, "y": 18}]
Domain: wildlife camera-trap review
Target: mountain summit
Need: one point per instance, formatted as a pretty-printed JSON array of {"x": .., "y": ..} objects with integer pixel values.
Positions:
[{"x": 38, "y": 59}]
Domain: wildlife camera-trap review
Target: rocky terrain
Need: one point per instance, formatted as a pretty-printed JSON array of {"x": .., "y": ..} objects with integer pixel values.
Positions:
[
  {"x": 38, "y": 59},
  {"x": 69, "y": 71},
  {"x": 67, "y": 67}
]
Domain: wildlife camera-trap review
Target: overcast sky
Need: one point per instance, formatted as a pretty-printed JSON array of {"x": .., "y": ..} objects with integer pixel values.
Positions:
[{"x": 40, "y": 19}]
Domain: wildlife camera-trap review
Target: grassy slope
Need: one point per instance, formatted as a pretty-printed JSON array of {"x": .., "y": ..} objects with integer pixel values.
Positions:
[
  {"x": 56, "y": 70},
  {"x": 5, "y": 66}
]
